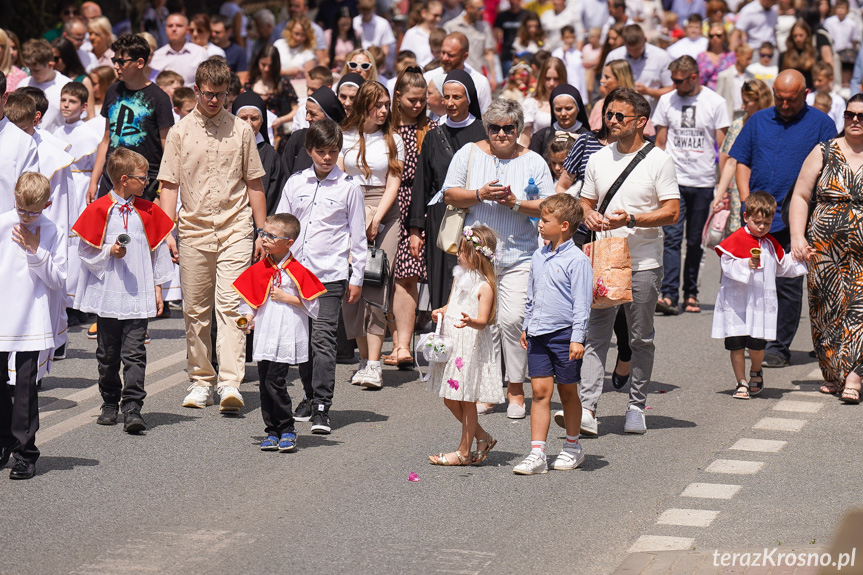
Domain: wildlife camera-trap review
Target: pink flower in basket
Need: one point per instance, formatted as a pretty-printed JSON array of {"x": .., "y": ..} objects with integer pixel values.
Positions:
[
  {"x": 459, "y": 363},
  {"x": 600, "y": 290},
  {"x": 453, "y": 383}
]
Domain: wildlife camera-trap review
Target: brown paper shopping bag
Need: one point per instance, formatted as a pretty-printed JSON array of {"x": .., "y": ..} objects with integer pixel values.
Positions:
[{"x": 612, "y": 271}]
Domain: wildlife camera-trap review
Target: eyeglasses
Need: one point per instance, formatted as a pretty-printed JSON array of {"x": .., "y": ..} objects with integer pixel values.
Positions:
[
  {"x": 618, "y": 116},
  {"x": 853, "y": 116},
  {"x": 270, "y": 237},
  {"x": 76, "y": 38},
  {"x": 508, "y": 130},
  {"x": 212, "y": 95},
  {"x": 143, "y": 179},
  {"x": 122, "y": 61},
  {"x": 361, "y": 65},
  {"x": 26, "y": 213}
]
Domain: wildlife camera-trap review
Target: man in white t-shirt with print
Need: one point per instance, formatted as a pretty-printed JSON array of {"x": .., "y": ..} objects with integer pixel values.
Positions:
[
  {"x": 691, "y": 123},
  {"x": 648, "y": 200}
]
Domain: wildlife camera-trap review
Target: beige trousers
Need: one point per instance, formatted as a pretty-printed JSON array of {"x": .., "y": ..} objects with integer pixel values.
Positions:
[
  {"x": 361, "y": 318},
  {"x": 206, "y": 279}
]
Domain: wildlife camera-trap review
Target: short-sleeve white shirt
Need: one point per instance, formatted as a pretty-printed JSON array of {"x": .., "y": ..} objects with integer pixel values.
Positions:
[
  {"x": 377, "y": 157},
  {"x": 758, "y": 23},
  {"x": 651, "y": 69}
]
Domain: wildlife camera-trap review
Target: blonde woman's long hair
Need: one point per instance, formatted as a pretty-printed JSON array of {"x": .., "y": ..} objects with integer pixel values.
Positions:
[
  {"x": 622, "y": 72},
  {"x": 758, "y": 91},
  {"x": 367, "y": 96},
  {"x": 6, "y": 60}
]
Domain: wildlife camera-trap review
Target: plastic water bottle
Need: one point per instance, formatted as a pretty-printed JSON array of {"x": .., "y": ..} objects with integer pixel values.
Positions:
[{"x": 532, "y": 193}]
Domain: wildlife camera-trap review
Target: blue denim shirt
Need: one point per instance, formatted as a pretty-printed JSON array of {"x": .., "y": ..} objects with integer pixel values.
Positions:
[
  {"x": 559, "y": 291},
  {"x": 775, "y": 149}
]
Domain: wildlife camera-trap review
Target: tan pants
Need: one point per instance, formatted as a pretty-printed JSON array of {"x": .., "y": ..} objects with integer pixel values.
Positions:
[
  {"x": 361, "y": 318},
  {"x": 206, "y": 279}
]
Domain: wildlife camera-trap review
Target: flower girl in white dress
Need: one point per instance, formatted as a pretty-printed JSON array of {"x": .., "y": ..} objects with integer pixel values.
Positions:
[{"x": 472, "y": 371}]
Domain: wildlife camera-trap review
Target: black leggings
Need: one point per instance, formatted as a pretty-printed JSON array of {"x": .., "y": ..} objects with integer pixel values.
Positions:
[{"x": 621, "y": 331}]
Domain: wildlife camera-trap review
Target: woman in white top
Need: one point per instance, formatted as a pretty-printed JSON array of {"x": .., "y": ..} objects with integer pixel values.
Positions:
[
  {"x": 297, "y": 48},
  {"x": 537, "y": 109},
  {"x": 200, "y": 30},
  {"x": 416, "y": 39},
  {"x": 374, "y": 155}
]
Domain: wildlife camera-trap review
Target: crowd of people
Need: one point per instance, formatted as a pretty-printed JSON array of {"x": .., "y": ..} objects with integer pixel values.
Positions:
[{"x": 303, "y": 185}]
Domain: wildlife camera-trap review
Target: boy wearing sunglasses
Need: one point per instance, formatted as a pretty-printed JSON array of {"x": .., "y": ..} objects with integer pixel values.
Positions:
[{"x": 124, "y": 262}]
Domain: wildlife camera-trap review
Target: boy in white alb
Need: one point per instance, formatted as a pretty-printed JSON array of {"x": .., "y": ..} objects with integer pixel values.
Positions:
[
  {"x": 54, "y": 164},
  {"x": 39, "y": 57},
  {"x": 17, "y": 153},
  {"x": 279, "y": 296},
  {"x": 822, "y": 79},
  {"x": 690, "y": 122},
  {"x": 84, "y": 143},
  {"x": 33, "y": 264},
  {"x": 124, "y": 262}
]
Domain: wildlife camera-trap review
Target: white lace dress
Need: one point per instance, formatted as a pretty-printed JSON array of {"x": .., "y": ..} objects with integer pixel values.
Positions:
[{"x": 473, "y": 370}]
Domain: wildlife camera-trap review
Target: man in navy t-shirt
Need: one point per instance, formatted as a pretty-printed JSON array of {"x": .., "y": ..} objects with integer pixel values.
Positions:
[{"x": 220, "y": 35}]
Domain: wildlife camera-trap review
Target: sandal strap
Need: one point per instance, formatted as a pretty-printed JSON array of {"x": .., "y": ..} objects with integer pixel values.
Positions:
[{"x": 756, "y": 373}]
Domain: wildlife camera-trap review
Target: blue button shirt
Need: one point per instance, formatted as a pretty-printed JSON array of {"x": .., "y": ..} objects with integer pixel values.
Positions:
[
  {"x": 559, "y": 291},
  {"x": 775, "y": 149}
]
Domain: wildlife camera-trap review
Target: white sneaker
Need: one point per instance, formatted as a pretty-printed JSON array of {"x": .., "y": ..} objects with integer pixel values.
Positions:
[
  {"x": 567, "y": 460},
  {"x": 360, "y": 375},
  {"x": 374, "y": 377},
  {"x": 533, "y": 464},
  {"x": 231, "y": 400},
  {"x": 200, "y": 396},
  {"x": 516, "y": 411},
  {"x": 558, "y": 418},
  {"x": 589, "y": 424},
  {"x": 634, "y": 422}
]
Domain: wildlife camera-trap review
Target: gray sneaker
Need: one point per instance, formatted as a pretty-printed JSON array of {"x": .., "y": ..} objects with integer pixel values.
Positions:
[
  {"x": 533, "y": 464},
  {"x": 634, "y": 421}
]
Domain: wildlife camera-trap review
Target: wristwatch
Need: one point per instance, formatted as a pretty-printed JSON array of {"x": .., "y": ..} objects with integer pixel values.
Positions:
[
  {"x": 516, "y": 206},
  {"x": 631, "y": 222}
]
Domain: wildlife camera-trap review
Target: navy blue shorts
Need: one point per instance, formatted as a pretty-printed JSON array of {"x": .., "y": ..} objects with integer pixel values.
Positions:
[{"x": 548, "y": 355}]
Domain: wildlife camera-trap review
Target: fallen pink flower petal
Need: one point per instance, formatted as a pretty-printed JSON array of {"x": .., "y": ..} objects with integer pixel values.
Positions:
[
  {"x": 453, "y": 383},
  {"x": 648, "y": 408},
  {"x": 413, "y": 477},
  {"x": 459, "y": 363}
]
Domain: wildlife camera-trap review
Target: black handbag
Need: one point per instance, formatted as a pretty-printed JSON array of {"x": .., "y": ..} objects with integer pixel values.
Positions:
[{"x": 377, "y": 267}]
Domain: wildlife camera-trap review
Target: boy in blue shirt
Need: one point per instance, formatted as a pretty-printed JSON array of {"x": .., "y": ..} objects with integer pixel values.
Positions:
[{"x": 559, "y": 296}]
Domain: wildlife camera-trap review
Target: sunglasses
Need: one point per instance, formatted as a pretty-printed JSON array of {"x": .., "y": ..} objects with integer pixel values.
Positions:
[
  {"x": 271, "y": 237},
  {"x": 360, "y": 65},
  {"x": 678, "y": 81},
  {"x": 618, "y": 116},
  {"x": 716, "y": 36},
  {"x": 853, "y": 116},
  {"x": 508, "y": 130},
  {"x": 760, "y": 55},
  {"x": 122, "y": 61}
]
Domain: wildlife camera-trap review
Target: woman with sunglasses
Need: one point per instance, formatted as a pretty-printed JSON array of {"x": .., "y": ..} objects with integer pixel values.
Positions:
[
  {"x": 716, "y": 58},
  {"x": 374, "y": 155},
  {"x": 265, "y": 80},
  {"x": 363, "y": 63},
  {"x": 832, "y": 243},
  {"x": 495, "y": 196}
]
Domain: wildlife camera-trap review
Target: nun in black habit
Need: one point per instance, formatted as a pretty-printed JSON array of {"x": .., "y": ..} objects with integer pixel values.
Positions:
[
  {"x": 463, "y": 126},
  {"x": 275, "y": 177},
  {"x": 572, "y": 119},
  {"x": 322, "y": 103}
]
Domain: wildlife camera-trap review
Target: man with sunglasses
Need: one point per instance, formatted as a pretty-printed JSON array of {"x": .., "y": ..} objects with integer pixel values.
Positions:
[
  {"x": 770, "y": 151},
  {"x": 138, "y": 116},
  {"x": 211, "y": 158},
  {"x": 647, "y": 199},
  {"x": 691, "y": 123},
  {"x": 179, "y": 55}
]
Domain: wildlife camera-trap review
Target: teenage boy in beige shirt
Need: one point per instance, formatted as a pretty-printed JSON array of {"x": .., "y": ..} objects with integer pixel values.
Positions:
[{"x": 211, "y": 159}]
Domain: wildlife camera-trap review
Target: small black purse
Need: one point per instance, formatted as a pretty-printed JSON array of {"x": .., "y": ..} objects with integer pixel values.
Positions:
[{"x": 377, "y": 267}]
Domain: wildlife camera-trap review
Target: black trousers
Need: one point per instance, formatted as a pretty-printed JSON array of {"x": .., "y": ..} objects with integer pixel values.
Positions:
[
  {"x": 20, "y": 422},
  {"x": 122, "y": 340},
  {"x": 789, "y": 292},
  {"x": 319, "y": 373},
  {"x": 276, "y": 406}
]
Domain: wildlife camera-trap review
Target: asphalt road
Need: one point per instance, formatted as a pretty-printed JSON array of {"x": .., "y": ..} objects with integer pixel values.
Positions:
[{"x": 195, "y": 494}]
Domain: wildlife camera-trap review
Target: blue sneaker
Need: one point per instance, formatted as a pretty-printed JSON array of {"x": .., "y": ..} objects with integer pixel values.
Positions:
[
  {"x": 288, "y": 442},
  {"x": 271, "y": 443}
]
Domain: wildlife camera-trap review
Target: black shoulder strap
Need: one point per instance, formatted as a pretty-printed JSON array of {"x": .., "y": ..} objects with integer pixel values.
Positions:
[{"x": 625, "y": 174}]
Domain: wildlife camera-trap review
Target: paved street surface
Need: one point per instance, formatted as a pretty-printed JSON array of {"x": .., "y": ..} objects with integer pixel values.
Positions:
[{"x": 194, "y": 494}]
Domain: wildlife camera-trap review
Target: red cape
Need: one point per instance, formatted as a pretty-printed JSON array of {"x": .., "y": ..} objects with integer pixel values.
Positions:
[
  {"x": 93, "y": 222},
  {"x": 738, "y": 244},
  {"x": 253, "y": 285}
]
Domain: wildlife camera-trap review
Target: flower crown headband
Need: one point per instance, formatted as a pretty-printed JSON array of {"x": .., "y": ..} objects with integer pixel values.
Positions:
[{"x": 477, "y": 242}]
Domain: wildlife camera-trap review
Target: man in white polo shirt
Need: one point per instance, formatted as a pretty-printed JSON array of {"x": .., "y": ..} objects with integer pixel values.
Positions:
[
  {"x": 178, "y": 55},
  {"x": 649, "y": 64},
  {"x": 691, "y": 123}
]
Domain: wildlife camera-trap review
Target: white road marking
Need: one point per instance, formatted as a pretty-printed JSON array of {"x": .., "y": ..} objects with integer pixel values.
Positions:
[
  {"x": 780, "y": 424},
  {"x": 798, "y": 406},
  {"x": 661, "y": 543},
  {"x": 711, "y": 490},
  {"x": 765, "y": 445},
  {"x": 687, "y": 517},
  {"x": 735, "y": 467}
]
